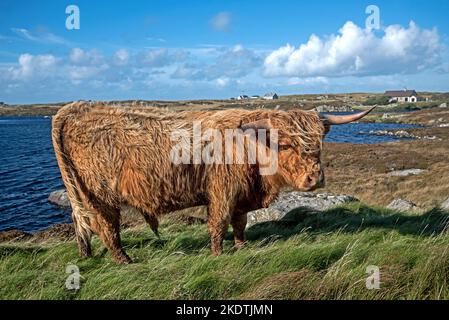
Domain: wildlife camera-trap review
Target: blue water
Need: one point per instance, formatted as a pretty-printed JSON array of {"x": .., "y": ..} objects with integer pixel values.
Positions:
[
  {"x": 353, "y": 132},
  {"x": 29, "y": 172}
]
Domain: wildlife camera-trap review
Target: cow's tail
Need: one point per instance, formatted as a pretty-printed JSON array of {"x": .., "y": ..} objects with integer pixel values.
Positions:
[{"x": 72, "y": 182}]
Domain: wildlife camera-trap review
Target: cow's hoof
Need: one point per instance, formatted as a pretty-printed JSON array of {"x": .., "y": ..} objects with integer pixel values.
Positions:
[
  {"x": 240, "y": 245},
  {"x": 123, "y": 259}
]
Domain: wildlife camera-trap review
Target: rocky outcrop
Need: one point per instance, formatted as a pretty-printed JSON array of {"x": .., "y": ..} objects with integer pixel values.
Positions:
[
  {"x": 60, "y": 232},
  {"x": 400, "y": 134},
  {"x": 59, "y": 198},
  {"x": 386, "y": 116},
  {"x": 14, "y": 235},
  {"x": 405, "y": 173},
  {"x": 445, "y": 205},
  {"x": 402, "y": 205},
  {"x": 330, "y": 108},
  {"x": 290, "y": 200}
]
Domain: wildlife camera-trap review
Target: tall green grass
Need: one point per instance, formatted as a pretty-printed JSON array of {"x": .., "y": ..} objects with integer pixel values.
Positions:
[{"x": 306, "y": 255}]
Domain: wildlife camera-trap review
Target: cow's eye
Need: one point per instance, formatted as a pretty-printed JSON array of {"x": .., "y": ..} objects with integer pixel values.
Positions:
[{"x": 283, "y": 147}]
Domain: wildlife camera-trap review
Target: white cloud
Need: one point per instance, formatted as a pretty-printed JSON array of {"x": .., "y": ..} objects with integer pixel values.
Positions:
[
  {"x": 307, "y": 81},
  {"x": 78, "y": 73},
  {"x": 42, "y": 36},
  {"x": 156, "y": 39},
  {"x": 234, "y": 62},
  {"x": 159, "y": 57},
  {"x": 80, "y": 57},
  {"x": 222, "y": 82},
  {"x": 30, "y": 65},
  {"x": 121, "y": 57},
  {"x": 221, "y": 22},
  {"x": 357, "y": 51}
]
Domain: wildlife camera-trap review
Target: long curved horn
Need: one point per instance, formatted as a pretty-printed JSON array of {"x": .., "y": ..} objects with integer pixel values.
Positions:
[{"x": 332, "y": 120}]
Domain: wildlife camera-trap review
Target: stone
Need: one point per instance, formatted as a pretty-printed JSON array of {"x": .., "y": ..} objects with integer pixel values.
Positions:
[
  {"x": 392, "y": 115},
  {"x": 59, "y": 198},
  {"x": 288, "y": 201},
  {"x": 402, "y": 205},
  {"x": 405, "y": 173},
  {"x": 330, "y": 108},
  {"x": 61, "y": 232},
  {"x": 445, "y": 205},
  {"x": 14, "y": 235}
]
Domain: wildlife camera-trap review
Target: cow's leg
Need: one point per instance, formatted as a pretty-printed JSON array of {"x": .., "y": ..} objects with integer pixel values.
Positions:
[
  {"x": 108, "y": 228},
  {"x": 152, "y": 221},
  {"x": 82, "y": 232},
  {"x": 238, "y": 222},
  {"x": 217, "y": 224},
  {"x": 149, "y": 216}
]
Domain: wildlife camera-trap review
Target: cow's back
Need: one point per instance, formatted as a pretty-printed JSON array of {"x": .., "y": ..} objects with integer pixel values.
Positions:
[{"x": 122, "y": 155}]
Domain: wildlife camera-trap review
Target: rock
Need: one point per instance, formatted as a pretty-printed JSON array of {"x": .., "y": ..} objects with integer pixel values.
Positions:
[
  {"x": 405, "y": 173},
  {"x": 14, "y": 235},
  {"x": 330, "y": 108},
  {"x": 400, "y": 134},
  {"x": 445, "y": 205},
  {"x": 61, "y": 232},
  {"x": 59, "y": 198},
  {"x": 392, "y": 115},
  {"x": 443, "y": 105},
  {"x": 288, "y": 201},
  {"x": 402, "y": 205}
]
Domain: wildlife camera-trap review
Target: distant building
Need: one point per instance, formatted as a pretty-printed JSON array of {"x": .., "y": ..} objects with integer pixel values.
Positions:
[
  {"x": 402, "y": 96},
  {"x": 255, "y": 96},
  {"x": 270, "y": 96},
  {"x": 242, "y": 97}
]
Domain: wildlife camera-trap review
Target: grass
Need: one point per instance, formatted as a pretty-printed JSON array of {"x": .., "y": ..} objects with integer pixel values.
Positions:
[{"x": 304, "y": 256}]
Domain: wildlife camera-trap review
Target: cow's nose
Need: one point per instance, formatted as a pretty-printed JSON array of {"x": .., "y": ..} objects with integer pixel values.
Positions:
[{"x": 321, "y": 180}]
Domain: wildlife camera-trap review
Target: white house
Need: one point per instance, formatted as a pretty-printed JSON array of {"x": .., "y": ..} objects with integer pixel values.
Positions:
[
  {"x": 402, "y": 96},
  {"x": 242, "y": 97},
  {"x": 270, "y": 96}
]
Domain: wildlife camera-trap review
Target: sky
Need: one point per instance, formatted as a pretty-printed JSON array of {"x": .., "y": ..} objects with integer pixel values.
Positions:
[{"x": 175, "y": 50}]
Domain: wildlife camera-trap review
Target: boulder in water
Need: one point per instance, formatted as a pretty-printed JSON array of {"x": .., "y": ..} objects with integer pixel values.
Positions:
[{"x": 59, "y": 198}]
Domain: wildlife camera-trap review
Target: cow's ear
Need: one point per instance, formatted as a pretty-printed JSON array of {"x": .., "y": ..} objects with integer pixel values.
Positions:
[{"x": 256, "y": 125}]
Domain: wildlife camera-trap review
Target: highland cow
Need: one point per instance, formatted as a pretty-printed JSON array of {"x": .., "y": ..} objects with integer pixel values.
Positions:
[{"x": 112, "y": 156}]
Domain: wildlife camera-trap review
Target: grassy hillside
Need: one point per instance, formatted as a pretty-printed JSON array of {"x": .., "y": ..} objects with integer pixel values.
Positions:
[{"x": 306, "y": 255}]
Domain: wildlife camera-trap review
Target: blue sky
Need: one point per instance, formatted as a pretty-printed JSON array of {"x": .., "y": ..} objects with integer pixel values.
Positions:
[{"x": 217, "y": 49}]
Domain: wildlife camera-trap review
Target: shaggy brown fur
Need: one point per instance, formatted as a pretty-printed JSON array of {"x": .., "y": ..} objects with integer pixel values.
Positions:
[{"x": 112, "y": 156}]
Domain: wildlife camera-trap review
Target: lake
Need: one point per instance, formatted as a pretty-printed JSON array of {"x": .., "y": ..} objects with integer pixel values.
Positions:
[{"x": 29, "y": 172}]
